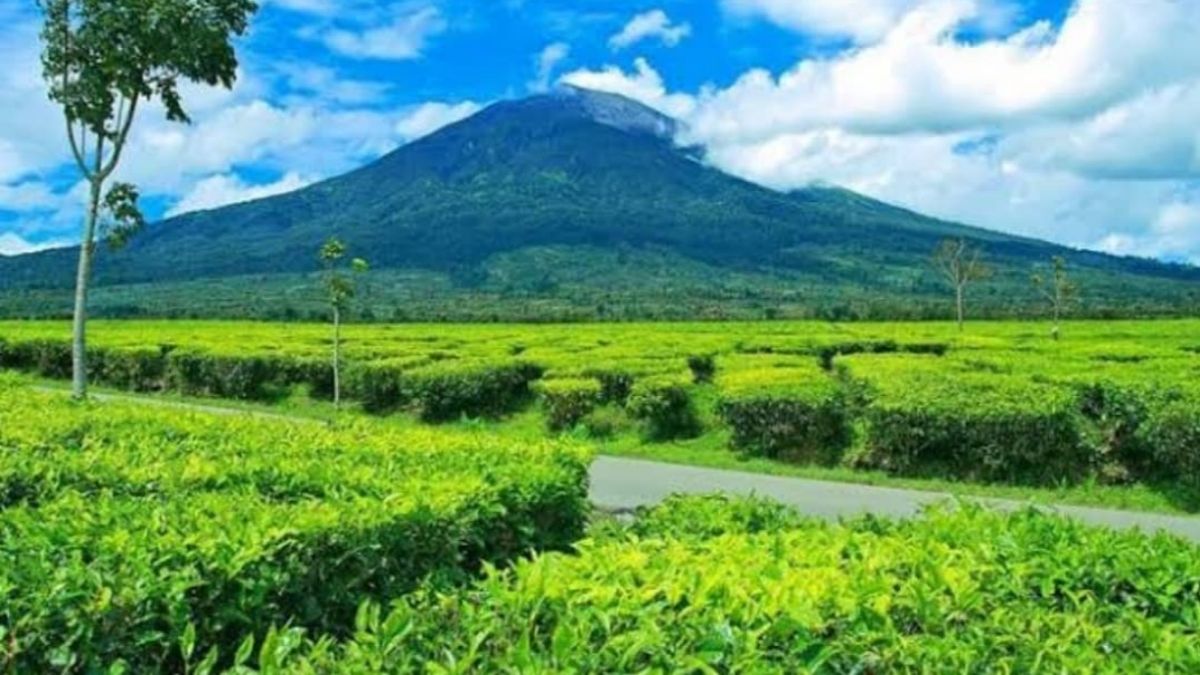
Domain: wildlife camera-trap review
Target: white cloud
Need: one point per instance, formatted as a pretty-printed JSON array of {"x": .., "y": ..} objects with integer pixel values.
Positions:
[
  {"x": 13, "y": 244},
  {"x": 328, "y": 84},
  {"x": 427, "y": 118},
  {"x": 1079, "y": 134},
  {"x": 920, "y": 78},
  {"x": 863, "y": 20},
  {"x": 652, "y": 24},
  {"x": 643, "y": 84},
  {"x": 547, "y": 60},
  {"x": 220, "y": 190},
  {"x": 402, "y": 38}
]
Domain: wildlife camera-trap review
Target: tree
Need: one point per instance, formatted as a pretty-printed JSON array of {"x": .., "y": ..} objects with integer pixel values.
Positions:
[
  {"x": 1058, "y": 289},
  {"x": 960, "y": 264},
  {"x": 341, "y": 290},
  {"x": 100, "y": 60}
]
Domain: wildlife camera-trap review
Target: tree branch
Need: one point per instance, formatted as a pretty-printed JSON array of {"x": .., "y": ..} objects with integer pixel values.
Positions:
[{"x": 122, "y": 136}]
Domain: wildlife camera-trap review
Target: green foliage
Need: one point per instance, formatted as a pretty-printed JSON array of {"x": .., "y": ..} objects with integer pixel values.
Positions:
[
  {"x": 796, "y": 414},
  {"x": 569, "y": 401},
  {"x": 664, "y": 406},
  {"x": 754, "y": 589},
  {"x": 933, "y": 419},
  {"x": 615, "y": 384},
  {"x": 710, "y": 516},
  {"x": 703, "y": 367},
  {"x": 126, "y": 531},
  {"x": 450, "y": 390}
]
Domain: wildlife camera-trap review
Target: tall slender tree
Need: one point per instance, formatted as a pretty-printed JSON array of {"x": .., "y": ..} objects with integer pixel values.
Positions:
[
  {"x": 101, "y": 60},
  {"x": 960, "y": 264},
  {"x": 341, "y": 290},
  {"x": 1058, "y": 290}
]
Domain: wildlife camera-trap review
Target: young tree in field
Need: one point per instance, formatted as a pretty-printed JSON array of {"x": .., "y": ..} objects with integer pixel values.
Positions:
[
  {"x": 101, "y": 59},
  {"x": 1058, "y": 289},
  {"x": 960, "y": 264},
  {"x": 341, "y": 290}
]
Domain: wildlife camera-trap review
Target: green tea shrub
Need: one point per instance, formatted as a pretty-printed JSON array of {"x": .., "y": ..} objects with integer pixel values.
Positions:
[
  {"x": 941, "y": 418},
  {"x": 236, "y": 377},
  {"x": 615, "y": 384},
  {"x": 797, "y": 414},
  {"x": 568, "y": 401},
  {"x": 125, "y": 529},
  {"x": 664, "y": 407},
  {"x": 703, "y": 367},
  {"x": 956, "y": 590},
  {"x": 44, "y": 357},
  {"x": 448, "y": 391},
  {"x": 1171, "y": 434},
  {"x": 380, "y": 387},
  {"x": 709, "y": 516},
  {"x": 139, "y": 370}
]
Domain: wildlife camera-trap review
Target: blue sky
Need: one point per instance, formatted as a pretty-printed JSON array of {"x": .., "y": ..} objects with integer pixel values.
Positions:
[{"x": 1072, "y": 120}]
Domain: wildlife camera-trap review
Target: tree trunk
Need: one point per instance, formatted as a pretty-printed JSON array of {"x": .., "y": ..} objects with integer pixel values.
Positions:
[
  {"x": 1057, "y": 319},
  {"x": 83, "y": 275},
  {"x": 337, "y": 357},
  {"x": 961, "y": 312}
]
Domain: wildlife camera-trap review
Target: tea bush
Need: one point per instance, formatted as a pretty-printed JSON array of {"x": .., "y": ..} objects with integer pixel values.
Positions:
[
  {"x": 664, "y": 407},
  {"x": 568, "y": 401},
  {"x": 957, "y": 590},
  {"x": 123, "y": 529},
  {"x": 797, "y": 414}
]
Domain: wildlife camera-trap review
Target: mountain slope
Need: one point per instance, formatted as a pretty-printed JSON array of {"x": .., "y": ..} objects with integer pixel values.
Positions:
[{"x": 481, "y": 208}]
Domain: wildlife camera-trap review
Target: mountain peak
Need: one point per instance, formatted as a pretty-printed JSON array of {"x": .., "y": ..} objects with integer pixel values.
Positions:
[{"x": 609, "y": 109}]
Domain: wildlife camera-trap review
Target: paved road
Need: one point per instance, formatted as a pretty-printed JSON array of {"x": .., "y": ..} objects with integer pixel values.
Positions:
[{"x": 622, "y": 484}]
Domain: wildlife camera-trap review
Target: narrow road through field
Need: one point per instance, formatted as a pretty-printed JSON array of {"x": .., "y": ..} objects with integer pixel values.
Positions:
[{"x": 621, "y": 484}]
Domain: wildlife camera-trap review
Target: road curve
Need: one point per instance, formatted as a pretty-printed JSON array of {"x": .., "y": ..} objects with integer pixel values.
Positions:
[{"x": 622, "y": 484}]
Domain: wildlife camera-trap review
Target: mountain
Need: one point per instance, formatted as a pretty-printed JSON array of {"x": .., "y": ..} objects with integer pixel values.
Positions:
[{"x": 572, "y": 204}]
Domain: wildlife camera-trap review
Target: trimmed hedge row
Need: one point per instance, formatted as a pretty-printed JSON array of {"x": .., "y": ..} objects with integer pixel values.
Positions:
[
  {"x": 759, "y": 591},
  {"x": 797, "y": 414},
  {"x": 568, "y": 401},
  {"x": 445, "y": 391},
  {"x": 124, "y": 530},
  {"x": 664, "y": 407},
  {"x": 440, "y": 391}
]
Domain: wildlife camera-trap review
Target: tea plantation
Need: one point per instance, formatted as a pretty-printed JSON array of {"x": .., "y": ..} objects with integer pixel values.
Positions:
[
  {"x": 1112, "y": 403},
  {"x": 141, "y": 538}
]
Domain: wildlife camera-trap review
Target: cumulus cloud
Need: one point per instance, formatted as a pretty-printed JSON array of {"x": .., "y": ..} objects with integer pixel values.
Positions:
[
  {"x": 862, "y": 21},
  {"x": 427, "y": 118},
  {"x": 643, "y": 84},
  {"x": 14, "y": 244},
  {"x": 1079, "y": 133},
  {"x": 650, "y": 25},
  {"x": 547, "y": 61},
  {"x": 402, "y": 38},
  {"x": 220, "y": 190}
]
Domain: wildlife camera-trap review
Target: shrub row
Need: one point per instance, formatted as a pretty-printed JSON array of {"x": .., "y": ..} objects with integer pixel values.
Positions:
[
  {"x": 445, "y": 391},
  {"x": 758, "y": 591},
  {"x": 123, "y": 530},
  {"x": 664, "y": 407},
  {"x": 797, "y": 414},
  {"x": 440, "y": 391},
  {"x": 568, "y": 401},
  {"x": 163, "y": 368}
]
